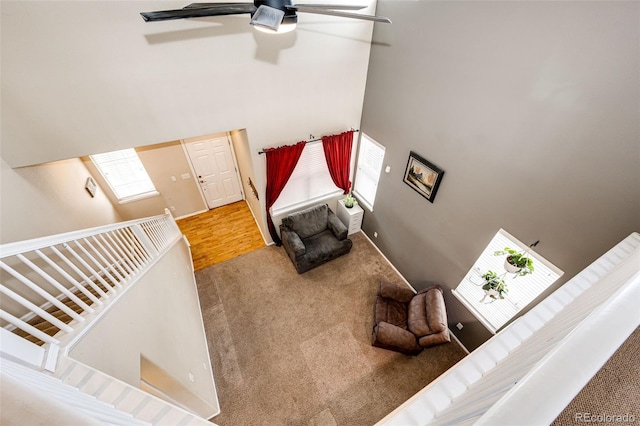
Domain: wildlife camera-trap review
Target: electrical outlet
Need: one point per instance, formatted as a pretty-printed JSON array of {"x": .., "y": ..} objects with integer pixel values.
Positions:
[{"x": 459, "y": 325}]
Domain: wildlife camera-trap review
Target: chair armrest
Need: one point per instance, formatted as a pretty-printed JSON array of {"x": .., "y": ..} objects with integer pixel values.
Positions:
[
  {"x": 337, "y": 227},
  {"x": 435, "y": 339},
  {"x": 431, "y": 312},
  {"x": 398, "y": 292},
  {"x": 389, "y": 336},
  {"x": 292, "y": 242}
]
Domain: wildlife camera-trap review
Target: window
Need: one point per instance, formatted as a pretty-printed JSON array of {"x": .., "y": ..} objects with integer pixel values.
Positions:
[
  {"x": 370, "y": 156},
  {"x": 494, "y": 313},
  {"x": 125, "y": 175},
  {"x": 310, "y": 180}
]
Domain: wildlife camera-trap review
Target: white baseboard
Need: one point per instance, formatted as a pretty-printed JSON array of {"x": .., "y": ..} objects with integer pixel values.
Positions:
[
  {"x": 389, "y": 262},
  {"x": 191, "y": 214},
  {"x": 259, "y": 228},
  {"x": 458, "y": 342}
]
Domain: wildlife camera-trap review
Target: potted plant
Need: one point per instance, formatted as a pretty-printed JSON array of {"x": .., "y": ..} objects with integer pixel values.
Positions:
[
  {"x": 349, "y": 201},
  {"x": 494, "y": 286},
  {"x": 516, "y": 262}
]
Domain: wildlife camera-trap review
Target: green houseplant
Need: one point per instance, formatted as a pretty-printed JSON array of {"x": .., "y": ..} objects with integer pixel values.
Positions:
[
  {"x": 349, "y": 201},
  {"x": 494, "y": 286},
  {"x": 516, "y": 262}
]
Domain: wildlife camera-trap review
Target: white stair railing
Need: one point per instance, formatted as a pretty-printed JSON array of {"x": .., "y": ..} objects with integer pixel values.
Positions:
[
  {"x": 95, "y": 396},
  {"x": 68, "y": 282},
  {"x": 40, "y": 278},
  {"x": 501, "y": 383}
]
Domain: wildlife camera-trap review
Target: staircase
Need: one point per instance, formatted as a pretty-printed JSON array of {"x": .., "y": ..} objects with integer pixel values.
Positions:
[
  {"x": 530, "y": 371},
  {"x": 54, "y": 290},
  {"x": 53, "y": 283},
  {"x": 47, "y": 327}
]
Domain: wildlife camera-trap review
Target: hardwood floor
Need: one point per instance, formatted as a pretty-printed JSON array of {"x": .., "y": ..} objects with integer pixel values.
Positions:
[{"x": 221, "y": 234}]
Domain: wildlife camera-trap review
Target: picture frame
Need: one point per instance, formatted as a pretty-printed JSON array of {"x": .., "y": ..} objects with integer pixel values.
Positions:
[
  {"x": 422, "y": 176},
  {"x": 90, "y": 186}
]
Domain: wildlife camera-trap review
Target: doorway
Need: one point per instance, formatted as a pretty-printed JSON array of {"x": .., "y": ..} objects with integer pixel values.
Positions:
[{"x": 215, "y": 169}]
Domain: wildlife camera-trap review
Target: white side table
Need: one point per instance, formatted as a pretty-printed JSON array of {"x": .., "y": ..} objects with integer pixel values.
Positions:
[{"x": 352, "y": 218}]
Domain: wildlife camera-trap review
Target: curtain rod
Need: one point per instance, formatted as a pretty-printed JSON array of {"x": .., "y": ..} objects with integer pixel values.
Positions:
[{"x": 313, "y": 139}]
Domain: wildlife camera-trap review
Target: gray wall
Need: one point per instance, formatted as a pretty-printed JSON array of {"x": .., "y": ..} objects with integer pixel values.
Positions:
[{"x": 532, "y": 110}]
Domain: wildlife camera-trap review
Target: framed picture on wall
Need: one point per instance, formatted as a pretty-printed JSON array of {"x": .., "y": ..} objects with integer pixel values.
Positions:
[
  {"x": 422, "y": 176},
  {"x": 90, "y": 186}
]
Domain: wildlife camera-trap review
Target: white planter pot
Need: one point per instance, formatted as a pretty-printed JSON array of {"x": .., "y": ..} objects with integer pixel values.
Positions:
[{"x": 511, "y": 268}]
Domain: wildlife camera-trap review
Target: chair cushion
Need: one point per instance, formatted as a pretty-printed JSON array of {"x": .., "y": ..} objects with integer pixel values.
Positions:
[
  {"x": 426, "y": 313},
  {"x": 321, "y": 248},
  {"x": 308, "y": 222},
  {"x": 388, "y": 336},
  {"x": 391, "y": 311}
]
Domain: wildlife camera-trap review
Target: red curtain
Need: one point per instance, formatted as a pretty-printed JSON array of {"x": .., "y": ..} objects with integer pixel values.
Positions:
[
  {"x": 280, "y": 164},
  {"x": 337, "y": 150}
]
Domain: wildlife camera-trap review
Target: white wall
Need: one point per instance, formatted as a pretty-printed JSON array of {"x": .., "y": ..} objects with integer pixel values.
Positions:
[
  {"x": 158, "y": 318},
  {"x": 161, "y": 161},
  {"x": 242, "y": 150},
  {"x": 86, "y": 77},
  {"x": 48, "y": 199}
]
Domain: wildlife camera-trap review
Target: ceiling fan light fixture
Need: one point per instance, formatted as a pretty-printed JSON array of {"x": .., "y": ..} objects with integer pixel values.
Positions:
[
  {"x": 267, "y": 17},
  {"x": 283, "y": 28}
]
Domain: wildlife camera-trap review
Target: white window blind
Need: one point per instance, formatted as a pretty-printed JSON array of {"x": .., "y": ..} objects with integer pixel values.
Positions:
[
  {"x": 310, "y": 180},
  {"x": 494, "y": 313},
  {"x": 370, "y": 157},
  {"x": 125, "y": 174}
]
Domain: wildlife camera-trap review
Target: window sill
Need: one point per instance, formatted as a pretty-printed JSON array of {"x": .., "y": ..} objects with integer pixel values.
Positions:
[
  {"x": 138, "y": 197},
  {"x": 362, "y": 201},
  {"x": 285, "y": 210}
]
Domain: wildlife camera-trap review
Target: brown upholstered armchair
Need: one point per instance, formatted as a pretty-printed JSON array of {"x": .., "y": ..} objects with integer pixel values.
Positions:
[{"x": 408, "y": 322}]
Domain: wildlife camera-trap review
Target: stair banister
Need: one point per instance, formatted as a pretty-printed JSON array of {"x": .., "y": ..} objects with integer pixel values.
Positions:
[
  {"x": 541, "y": 396},
  {"x": 11, "y": 249}
]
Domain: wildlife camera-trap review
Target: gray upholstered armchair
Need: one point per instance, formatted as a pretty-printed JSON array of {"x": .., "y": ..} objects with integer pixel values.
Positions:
[
  {"x": 408, "y": 322},
  {"x": 314, "y": 236}
]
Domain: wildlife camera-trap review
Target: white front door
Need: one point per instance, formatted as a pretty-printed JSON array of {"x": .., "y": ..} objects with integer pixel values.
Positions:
[{"x": 215, "y": 170}]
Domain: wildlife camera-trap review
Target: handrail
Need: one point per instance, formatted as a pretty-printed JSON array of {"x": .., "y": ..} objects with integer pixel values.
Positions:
[
  {"x": 11, "y": 249},
  {"x": 543, "y": 393}
]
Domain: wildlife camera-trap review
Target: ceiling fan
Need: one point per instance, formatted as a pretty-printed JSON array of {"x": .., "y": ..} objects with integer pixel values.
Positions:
[{"x": 273, "y": 15}]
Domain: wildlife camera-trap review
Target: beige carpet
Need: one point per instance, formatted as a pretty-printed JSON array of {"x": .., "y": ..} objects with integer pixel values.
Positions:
[{"x": 291, "y": 349}]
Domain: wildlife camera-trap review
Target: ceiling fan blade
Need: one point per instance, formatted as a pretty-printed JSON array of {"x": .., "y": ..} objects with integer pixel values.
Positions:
[
  {"x": 332, "y": 6},
  {"x": 309, "y": 9},
  {"x": 199, "y": 12},
  {"x": 203, "y": 5}
]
